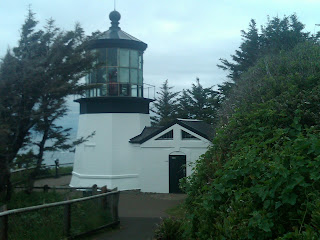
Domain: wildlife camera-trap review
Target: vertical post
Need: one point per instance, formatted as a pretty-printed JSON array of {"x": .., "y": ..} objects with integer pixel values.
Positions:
[
  {"x": 115, "y": 202},
  {"x": 3, "y": 224},
  {"x": 57, "y": 167},
  {"x": 46, "y": 188},
  {"x": 94, "y": 189},
  {"x": 67, "y": 220},
  {"x": 104, "y": 200}
]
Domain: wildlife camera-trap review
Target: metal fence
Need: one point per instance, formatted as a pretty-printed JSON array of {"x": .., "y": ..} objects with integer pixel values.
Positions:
[{"x": 66, "y": 219}]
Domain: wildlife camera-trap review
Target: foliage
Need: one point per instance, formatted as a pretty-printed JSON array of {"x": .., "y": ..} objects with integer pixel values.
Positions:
[
  {"x": 194, "y": 103},
  {"x": 169, "y": 229},
  {"x": 165, "y": 106},
  {"x": 35, "y": 79},
  {"x": 260, "y": 179},
  {"x": 276, "y": 36},
  {"x": 177, "y": 211},
  {"x": 198, "y": 103}
]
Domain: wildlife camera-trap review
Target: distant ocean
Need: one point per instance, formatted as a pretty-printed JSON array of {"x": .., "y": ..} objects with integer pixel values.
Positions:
[{"x": 68, "y": 121}]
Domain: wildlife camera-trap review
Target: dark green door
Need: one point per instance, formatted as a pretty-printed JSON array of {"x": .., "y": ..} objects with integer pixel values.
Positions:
[{"x": 177, "y": 170}]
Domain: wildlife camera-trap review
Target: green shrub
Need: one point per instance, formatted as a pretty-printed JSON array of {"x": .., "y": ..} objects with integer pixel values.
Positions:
[
  {"x": 169, "y": 229},
  {"x": 261, "y": 177}
]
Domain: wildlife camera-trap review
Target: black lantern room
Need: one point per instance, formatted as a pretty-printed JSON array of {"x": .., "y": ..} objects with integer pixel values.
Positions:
[{"x": 118, "y": 80}]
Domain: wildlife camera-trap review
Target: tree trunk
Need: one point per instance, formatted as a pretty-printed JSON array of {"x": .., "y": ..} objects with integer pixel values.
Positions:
[{"x": 5, "y": 181}]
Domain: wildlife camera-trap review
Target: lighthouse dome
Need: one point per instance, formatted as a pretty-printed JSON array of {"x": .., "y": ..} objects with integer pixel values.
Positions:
[{"x": 120, "y": 65}]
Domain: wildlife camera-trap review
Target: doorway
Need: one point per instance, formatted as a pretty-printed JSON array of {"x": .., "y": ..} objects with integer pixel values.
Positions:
[{"x": 177, "y": 170}]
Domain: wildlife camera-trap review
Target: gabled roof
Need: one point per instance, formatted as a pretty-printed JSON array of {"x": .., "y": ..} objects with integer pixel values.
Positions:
[{"x": 199, "y": 127}]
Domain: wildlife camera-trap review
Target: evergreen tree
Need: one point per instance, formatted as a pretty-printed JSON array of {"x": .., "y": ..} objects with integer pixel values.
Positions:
[
  {"x": 35, "y": 79},
  {"x": 165, "y": 106},
  {"x": 277, "y": 35},
  {"x": 246, "y": 56},
  {"x": 184, "y": 108},
  {"x": 198, "y": 103}
]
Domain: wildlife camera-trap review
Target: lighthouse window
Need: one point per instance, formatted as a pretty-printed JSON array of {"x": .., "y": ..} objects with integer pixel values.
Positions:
[
  {"x": 139, "y": 91},
  {"x": 124, "y": 89},
  {"x": 124, "y": 57},
  {"x": 140, "y": 61},
  {"x": 134, "y": 59},
  {"x": 103, "y": 90},
  {"x": 92, "y": 77},
  {"x": 134, "y": 76},
  {"x": 112, "y": 58},
  {"x": 102, "y": 54},
  {"x": 140, "y": 80},
  {"x": 134, "y": 90},
  {"x": 124, "y": 75},
  {"x": 112, "y": 75},
  {"x": 101, "y": 75}
]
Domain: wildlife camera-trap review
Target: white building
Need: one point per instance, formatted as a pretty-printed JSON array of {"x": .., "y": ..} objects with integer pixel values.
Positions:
[{"x": 126, "y": 152}]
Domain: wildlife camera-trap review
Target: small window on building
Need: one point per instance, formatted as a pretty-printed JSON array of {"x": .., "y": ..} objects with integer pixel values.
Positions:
[
  {"x": 166, "y": 136},
  {"x": 188, "y": 136}
]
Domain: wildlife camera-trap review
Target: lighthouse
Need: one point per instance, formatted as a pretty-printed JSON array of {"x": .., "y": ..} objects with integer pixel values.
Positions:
[{"x": 115, "y": 109}]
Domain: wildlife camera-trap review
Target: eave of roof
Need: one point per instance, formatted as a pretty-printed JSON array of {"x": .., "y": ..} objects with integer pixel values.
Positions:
[{"x": 190, "y": 125}]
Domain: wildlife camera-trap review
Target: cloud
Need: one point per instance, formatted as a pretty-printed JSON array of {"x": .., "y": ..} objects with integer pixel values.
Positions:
[{"x": 167, "y": 27}]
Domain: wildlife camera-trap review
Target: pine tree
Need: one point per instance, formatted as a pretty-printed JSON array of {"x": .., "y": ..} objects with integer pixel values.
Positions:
[
  {"x": 282, "y": 34},
  {"x": 165, "y": 106},
  {"x": 199, "y": 103},
  {"x": 35, "y": 79},
  {"x": 277, "y": 35},
  {"x": 246, "y": 56}
]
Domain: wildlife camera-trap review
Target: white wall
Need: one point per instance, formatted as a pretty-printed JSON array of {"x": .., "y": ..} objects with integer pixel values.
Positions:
[
  {"x": 109, "y": 159},
  {"x": 154, "y": 158},
  {"x": 106, "y": 159}
]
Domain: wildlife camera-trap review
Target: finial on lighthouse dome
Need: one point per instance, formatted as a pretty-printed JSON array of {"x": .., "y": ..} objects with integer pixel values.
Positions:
[{"x": 115, "y": 16}]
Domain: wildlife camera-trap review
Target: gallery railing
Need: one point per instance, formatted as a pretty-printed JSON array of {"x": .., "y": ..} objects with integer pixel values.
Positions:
[{"x": 115, "y": 89}]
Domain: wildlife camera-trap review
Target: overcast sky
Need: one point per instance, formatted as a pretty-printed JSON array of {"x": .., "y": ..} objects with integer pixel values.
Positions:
[{"x": 185, "y": 38}]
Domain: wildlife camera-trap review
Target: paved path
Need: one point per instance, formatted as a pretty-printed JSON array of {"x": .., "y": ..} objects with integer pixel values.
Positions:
[
  {"x": 139, "y": 214},
  {"x": 61, "y": 181}
]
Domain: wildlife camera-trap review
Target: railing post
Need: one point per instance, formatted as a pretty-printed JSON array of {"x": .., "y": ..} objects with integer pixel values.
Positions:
[
  {"x": 115, "y": 202},
  {"x": 3, "y": 224},
  {"x": 94, "y": 189},
  {"x": 57, "y": 167},
  {"x": 67, "y": 219}
]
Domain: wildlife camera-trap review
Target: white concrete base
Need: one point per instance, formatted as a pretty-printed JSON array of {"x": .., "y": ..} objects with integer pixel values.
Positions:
[
  {"x": 106, "y": 158},
  {"x": 122, "y": 182}
]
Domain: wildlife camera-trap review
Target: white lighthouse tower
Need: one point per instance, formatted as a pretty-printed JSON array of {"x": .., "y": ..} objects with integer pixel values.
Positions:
[{"x": 115, "y": 109}]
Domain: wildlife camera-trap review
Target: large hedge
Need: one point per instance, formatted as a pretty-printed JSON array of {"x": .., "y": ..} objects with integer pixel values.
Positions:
[{"x": 261, "y": 177}]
